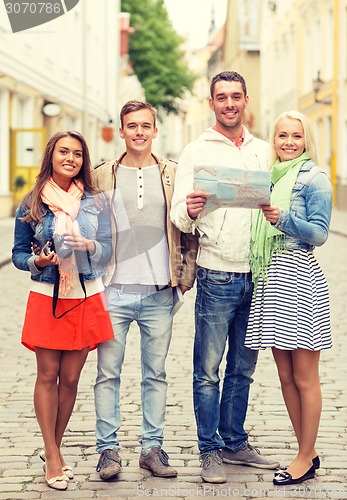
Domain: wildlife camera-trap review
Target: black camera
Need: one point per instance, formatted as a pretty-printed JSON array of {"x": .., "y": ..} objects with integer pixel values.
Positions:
[
  {"x": 58, "y": 246},
  {"x": 48, "y": 248},
  {"x": 61, "y": 248}
]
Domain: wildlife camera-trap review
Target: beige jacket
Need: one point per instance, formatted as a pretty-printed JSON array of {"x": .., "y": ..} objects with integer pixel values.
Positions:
[{"x": 183, "y": 248}]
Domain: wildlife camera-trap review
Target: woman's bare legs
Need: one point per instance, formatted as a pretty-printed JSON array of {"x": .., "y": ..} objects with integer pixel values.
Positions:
[
  {"x": 55, "y": 392},
  {"x": 71, "y": 366},
  {"x": 306, "y": 376},
  {"x": 290, "y": 392},
  {"x": 299, "y": 377},
  {"x": 46, "y": 399}
]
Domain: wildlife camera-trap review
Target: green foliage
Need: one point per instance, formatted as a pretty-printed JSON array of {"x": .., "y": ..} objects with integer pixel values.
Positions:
[{"x": 155, "y": 54}]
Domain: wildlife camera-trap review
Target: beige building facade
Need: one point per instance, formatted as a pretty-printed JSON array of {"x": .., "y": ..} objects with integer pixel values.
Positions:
[
  {"x": 241, "y": 53},
  {"x": 300, "y": 69},
  {"x": 61, "y": 75},
  {"x": 293, "y": 55},
  {"x": 340, "y": 103}
]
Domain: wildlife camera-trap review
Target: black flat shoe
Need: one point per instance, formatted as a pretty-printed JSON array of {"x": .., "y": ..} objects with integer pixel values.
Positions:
[
  {"x": 316, "y": 462},
  {"x": 279, "y": 470},
  {"x": 283, "y": 478}
]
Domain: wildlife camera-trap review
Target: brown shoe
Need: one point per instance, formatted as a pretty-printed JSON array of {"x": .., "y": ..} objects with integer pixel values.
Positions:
[
  {"x": 109, "y": 465},
  {"x": 157, "y": 461}
]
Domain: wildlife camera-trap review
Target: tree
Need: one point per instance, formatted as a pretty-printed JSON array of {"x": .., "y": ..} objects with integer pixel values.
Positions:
[{"x": 155, "y": 54}]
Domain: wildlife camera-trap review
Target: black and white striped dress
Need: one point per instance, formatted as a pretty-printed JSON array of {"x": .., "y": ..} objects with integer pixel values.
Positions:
[{"x": 292, "y": 310}]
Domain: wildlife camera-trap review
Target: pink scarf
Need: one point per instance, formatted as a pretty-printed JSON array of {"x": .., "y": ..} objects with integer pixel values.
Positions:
[{"x": 65, "y": 206}]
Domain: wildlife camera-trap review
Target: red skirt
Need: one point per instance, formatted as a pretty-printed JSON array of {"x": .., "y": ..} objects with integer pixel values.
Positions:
[{"x": 85, "y": 326}]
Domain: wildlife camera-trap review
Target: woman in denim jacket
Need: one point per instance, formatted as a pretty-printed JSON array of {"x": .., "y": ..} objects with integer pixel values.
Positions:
[
  {"x": 67, "y": 223},
  {"x": 290, "y": 307}
]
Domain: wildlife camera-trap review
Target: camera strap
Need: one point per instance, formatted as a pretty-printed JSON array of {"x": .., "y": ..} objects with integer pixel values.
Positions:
[{"x": 56, "y": 290}]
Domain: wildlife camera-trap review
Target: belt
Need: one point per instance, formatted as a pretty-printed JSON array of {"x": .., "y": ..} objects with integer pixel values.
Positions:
[{"x": 139, "y": 289}]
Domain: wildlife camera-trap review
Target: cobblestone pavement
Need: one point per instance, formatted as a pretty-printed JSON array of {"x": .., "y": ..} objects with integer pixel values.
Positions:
[{"x": 21, "y": 474}]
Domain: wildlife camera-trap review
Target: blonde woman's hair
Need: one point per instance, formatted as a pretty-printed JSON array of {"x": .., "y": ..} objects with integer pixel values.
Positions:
[{"x": 310, "y": 144}]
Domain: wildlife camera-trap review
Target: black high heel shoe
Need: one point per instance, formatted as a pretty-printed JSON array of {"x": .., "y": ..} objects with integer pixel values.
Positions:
[{"x": 283, "y": 478}]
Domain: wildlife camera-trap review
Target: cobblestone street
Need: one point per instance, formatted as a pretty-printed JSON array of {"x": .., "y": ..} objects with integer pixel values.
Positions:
[{"x": 21, "y": 474}]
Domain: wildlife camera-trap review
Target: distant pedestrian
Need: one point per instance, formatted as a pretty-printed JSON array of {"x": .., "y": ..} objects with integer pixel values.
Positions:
[
  {"x": 224, "y": 283},
  {"x": 68, "y": 224},
  {"x": 290, "y": 309}
]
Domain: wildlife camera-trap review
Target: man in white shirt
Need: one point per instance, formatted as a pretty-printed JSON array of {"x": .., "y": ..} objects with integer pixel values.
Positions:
[
  {"x": 151, "y": 257},
  {"x": 224, "y": 283}
]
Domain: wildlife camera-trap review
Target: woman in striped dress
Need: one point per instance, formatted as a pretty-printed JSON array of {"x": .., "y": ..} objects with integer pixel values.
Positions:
[{"x": 290, "y": 307}]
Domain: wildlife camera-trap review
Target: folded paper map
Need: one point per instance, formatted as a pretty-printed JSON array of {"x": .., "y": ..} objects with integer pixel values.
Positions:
[
  {"x": 178, "y": 299},
  {"x": 232, "y": 187}
]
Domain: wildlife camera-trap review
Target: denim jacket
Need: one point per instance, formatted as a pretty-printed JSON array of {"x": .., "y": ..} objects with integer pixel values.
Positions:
[
  {"x": 306, "y": 224},
  {"x": 94, "y": 224}
]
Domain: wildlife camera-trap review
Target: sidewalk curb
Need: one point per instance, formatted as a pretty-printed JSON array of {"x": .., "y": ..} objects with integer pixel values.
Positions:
[
  {"x": 4, "y": 262},
  {"x": 339, "y": 233}
]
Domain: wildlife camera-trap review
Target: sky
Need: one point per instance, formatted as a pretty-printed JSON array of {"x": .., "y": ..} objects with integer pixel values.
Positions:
[{"x": 193, "y": 18}]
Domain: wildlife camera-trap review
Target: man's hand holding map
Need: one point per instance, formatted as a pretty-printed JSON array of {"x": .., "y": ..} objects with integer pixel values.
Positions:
[{"x": 232, "y": 187}]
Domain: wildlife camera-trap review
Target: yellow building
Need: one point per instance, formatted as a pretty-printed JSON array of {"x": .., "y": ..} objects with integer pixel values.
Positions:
[
  {"x": 299, "y": 70},
  {"x": 317, "y": 76}
]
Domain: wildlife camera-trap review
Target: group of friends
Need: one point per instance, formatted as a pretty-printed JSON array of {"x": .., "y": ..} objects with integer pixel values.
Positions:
[{"x": 107, "y": 246}]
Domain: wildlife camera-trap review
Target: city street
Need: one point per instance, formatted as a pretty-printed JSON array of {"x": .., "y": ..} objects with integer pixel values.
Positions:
[{"x": 21, "y": 474}]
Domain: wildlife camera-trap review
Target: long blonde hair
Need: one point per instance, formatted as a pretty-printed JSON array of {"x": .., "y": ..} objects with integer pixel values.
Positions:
[{"x": 310, "y": 144}]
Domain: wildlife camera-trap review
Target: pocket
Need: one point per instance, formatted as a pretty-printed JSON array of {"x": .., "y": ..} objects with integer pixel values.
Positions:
[
  {"x": 298, "y": 187},
  {"x": 112, "y": 296},
  {"x": 219, "y": 277},
  {"x": 163, "y": 297},
  {"x": 91, "y": 215},
  {"x": 92, "y": 209}
]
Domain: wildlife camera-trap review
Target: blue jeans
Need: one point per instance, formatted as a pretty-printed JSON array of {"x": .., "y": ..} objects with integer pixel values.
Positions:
[
  {"x": 221, "y": 314},
  {"x": 153, "y": 314}
]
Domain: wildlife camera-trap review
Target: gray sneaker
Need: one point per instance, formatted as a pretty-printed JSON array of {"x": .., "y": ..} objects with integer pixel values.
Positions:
[
  {"x": 248, "y": 456},
  {"x": 109, "y": 465},
  {"x": 157, "y": 461},
  {"x": 212, "y": 467}
]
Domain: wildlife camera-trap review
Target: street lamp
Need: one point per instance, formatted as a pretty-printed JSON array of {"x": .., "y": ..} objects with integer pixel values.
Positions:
[
  {"x": 317, "y": 84},
  {"x": 51, "y": 109}
]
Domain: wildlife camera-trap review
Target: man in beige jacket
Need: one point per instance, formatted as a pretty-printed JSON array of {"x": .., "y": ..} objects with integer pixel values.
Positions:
[{"x": 151, "y": 258}]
